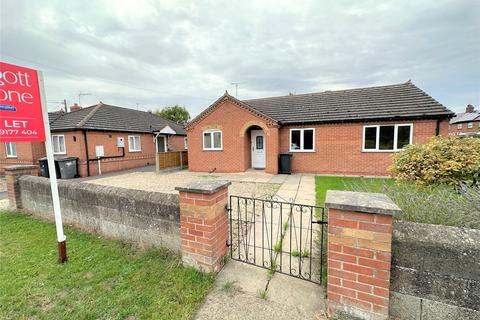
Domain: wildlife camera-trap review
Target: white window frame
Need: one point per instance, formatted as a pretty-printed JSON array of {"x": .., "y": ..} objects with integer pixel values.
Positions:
[
  {"x": 302, "y": 130},
  {"x": 459, "y": 126},
  {"x": 211, "y": 133},
  {"x": 10, "y": 155},
  {"x": 130, "y": 146},
  {"x": 395, "y": 136},
  {"x": 470, "y": 125},
  {"x": 185, "y": 143},
  {"x": 60, "y": 151}
]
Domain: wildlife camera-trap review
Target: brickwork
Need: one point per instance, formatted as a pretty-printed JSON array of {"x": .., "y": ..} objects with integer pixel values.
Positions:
[
  {"x": 204, "y": 228},
  {"x": 235, "y": 123},
  {"x": 176, "y": 143},
  {"x": 29, "y": 152},
  {"x": 359, "y": 258},
  {"x": 454, "y": 130},
  {"x": 338, "y": 147},
  {"x": 12, "y": 173}
]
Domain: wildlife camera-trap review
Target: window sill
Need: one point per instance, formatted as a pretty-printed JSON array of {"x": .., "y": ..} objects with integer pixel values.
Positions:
[
  {"x": 381, "y": 151},
  {"x": 12, "y": 157},
  {"x": 133, "y": 151},
  {"x": 302, "y": 151},
  {"x": 60, "y": 153},
  {"x": 212, "y": 149}
]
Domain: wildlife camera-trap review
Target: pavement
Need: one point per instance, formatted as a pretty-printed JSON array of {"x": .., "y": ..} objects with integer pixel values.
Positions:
[{"x": 244, "y": 291}]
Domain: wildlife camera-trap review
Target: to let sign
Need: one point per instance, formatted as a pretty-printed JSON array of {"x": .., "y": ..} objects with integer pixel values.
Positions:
[{"x": 20, "y": 105}]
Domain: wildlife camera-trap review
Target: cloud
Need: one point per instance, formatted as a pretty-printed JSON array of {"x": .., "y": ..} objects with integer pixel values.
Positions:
[{"x": 156, "y": 53}]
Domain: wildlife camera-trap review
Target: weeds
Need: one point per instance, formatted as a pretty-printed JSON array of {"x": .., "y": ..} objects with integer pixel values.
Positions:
[
  {"x": 262, "y": 294},
  {"x": 304, "y": 254},
  {"x": 229, "y": 286}
]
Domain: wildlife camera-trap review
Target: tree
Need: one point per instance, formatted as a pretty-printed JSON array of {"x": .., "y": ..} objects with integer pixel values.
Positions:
[
  {"x": 176, "y": 113},
  {"x": 441, "y": 160}
]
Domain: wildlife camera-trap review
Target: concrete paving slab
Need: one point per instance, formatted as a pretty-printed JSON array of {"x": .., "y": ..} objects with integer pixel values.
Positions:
[
  {"x": 245, "y": 277},
  {"x": 238, "y": 305},
  {"x": 296, "y": 292}
]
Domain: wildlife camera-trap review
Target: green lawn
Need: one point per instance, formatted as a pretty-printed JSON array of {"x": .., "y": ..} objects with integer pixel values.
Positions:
[
  {"x": 324, "y": 183},
  {"x": 103, "y": 279}
]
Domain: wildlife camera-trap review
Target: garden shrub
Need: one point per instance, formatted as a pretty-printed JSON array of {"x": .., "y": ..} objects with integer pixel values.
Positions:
[
  {"x": 440, "y": 161},
  {"x": 441, "y": 204}
]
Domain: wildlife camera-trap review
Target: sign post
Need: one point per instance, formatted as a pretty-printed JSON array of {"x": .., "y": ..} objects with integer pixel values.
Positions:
[{"x": 24, "y": 117}]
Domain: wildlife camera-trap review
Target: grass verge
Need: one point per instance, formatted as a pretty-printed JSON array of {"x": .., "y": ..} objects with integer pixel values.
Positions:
[{"x": 103, "y": 278}]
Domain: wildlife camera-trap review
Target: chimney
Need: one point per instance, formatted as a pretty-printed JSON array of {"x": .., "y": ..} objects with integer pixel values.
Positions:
[
  {"x": 469, "y": 109},
  {"x": 75, "y": 107}
]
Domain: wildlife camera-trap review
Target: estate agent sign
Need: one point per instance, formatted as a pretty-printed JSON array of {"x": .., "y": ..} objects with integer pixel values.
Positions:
[
  {"x": 24, "y": 118},
  {"x": 20, "y": 105}
]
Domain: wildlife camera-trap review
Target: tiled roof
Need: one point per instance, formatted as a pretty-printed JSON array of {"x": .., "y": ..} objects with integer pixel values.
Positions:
[
  {"x": 112, "y": 118},
  {"x": 466, "y": 117},
  {"x": 403, "y": 100}
]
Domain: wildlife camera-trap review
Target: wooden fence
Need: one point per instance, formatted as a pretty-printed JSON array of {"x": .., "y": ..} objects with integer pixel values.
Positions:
[{"x": 171, "y": 159}]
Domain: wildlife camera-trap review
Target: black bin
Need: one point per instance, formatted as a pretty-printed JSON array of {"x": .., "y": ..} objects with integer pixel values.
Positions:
[
  {"x": 43, "y": 163},
  {"x": 67, "y": 167},
  {"x": 285, "y": 163}
]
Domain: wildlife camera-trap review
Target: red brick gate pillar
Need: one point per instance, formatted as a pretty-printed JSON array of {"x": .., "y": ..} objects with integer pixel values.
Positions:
[
  {"x": 204, "y": 223},
  {"x": 359, "y": 254},
  {"x": 12, "y": 173}
]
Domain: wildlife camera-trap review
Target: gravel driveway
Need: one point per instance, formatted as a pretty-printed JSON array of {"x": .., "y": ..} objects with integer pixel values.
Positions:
[{"x": 244, "y": 184}]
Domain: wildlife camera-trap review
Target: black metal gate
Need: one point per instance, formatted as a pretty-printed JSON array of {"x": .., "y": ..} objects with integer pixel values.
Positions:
[{"x": 280, "y": 236}]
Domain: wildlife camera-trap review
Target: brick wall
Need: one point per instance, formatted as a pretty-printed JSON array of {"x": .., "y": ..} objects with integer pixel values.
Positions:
[
  {"x": 204, "y": 223},
  {"x": 235, "y": 123},
  {"x": 453, "y": 129},
  {"x": 359, "y": 254},
  {"x": 176, "y": 143},
  {"x": 338, "y": 148},
  {"x": 28, "y": 153}
]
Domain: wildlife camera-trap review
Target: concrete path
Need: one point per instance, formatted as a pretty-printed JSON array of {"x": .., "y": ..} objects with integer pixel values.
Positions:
[{"x": 243, "y": 291}]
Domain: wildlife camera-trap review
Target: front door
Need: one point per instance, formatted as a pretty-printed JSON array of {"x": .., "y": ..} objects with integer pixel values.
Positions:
[
  {"x": 161, "y": 145},
  {"x": 258, "y": 149}
]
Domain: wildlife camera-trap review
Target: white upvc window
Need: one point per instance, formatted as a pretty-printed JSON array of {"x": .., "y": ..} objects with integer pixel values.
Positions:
[
  {"x": 185, "y": 143},
  {"x": 212, "y": 140},
  {"x": 459, "y": 126},
  {"x": 386, "y": 138},
  {"x": 302, "y": 140},
  {"x": 134, "y": 144},
  {"x": 11, "y": 149},
  {"x": 58, "y": 143},
  {"x": 470, "y": 125}
]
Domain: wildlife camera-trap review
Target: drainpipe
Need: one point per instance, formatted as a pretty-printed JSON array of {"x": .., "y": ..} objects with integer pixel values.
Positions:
[{"x": 86, "y": 151}]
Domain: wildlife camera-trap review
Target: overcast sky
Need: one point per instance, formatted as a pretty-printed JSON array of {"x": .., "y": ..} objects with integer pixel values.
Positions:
[{"x": 157, "y": 53}]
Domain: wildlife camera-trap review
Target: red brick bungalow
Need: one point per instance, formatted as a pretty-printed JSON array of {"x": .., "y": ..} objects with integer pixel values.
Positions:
[
  {"x": 124, "y": 138},
  {"x": 346, "y": 132},
  {"x": 466, "y": 124}
]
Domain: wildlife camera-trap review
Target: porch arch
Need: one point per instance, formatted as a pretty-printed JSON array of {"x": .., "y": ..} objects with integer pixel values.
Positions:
[{"x": 244, "y": 129}]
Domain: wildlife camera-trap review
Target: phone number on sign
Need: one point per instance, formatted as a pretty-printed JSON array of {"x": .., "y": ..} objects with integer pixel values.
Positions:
[{"x": 14, "y": 132}]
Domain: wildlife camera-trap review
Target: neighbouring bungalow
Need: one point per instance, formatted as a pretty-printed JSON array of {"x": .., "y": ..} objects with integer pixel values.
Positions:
[
  {"x": 345, "y": 132},
  {"x": 466, "y": 124},
  {"x": 103, "y": 137}
]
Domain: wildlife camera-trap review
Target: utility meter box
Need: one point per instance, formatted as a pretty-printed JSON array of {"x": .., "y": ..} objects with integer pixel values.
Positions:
[
  {"x": 99, "y": 152},
  {"x": 120, "y": 142}
]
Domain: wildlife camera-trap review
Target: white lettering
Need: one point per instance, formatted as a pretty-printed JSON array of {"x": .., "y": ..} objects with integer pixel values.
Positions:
[
  {"x": 16, "y": 124},
  {"x": 14, "y": 78}
]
